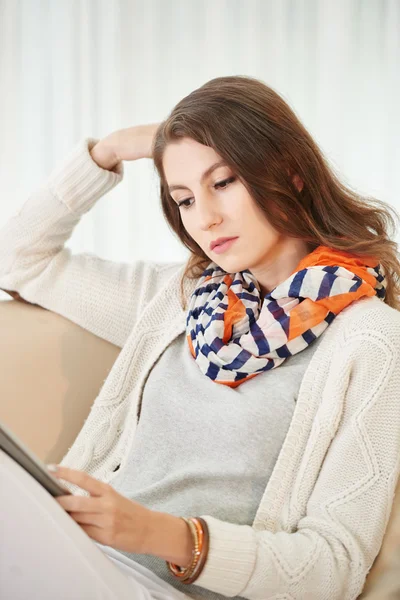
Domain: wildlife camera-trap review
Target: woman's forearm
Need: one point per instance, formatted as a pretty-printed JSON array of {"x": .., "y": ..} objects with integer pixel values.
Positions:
[
  {"x": 130, "y": 143},
  {"x": 169, "y": 538}
]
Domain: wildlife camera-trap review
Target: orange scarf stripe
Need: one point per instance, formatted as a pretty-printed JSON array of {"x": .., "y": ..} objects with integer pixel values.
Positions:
[{"x": 326, "y": 257}]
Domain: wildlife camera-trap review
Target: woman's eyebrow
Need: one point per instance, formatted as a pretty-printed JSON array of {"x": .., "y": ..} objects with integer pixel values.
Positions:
[{"x": 206, "y": 174}]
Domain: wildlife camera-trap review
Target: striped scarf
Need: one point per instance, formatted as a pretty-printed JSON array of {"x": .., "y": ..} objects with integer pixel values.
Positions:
[{"x": 233, "y": 338}]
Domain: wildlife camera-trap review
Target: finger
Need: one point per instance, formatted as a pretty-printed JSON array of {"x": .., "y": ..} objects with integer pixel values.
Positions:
[
  {"x": 88, "y": 518},
  {"x": 80, "y": 503},
  {"x": 82, "y": 479}
]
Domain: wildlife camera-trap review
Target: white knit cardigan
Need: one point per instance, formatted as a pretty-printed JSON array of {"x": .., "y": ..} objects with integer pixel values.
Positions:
[{"x": 321, "y": 521}]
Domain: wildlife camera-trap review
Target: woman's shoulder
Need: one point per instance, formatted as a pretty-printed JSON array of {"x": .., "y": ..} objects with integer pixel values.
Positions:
[
  {"x": 365, "y": 320},
  {"x": 370, "y": 317},
  {"x": 370, "y": 311},
  {"x": 367, "y": 331}
]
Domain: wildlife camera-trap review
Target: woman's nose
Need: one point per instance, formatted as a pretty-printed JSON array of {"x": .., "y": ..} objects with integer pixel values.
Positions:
[{"x": 207, "y": 214}]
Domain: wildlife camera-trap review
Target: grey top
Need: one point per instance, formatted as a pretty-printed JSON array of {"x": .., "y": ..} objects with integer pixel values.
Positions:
[{"x": 207, "y": 449}]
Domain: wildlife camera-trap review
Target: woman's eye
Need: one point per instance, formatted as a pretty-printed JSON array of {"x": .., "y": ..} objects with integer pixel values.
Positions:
[
  {"x": 181, "y": 203},
  {"x": 225, "y": 181},
  {"x": 217, "y": 185}
]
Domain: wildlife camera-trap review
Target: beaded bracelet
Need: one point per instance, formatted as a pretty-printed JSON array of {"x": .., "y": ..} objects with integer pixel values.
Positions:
[{"x": 200, "y": 535}]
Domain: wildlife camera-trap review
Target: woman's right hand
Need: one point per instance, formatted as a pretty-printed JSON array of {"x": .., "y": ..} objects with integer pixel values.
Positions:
[{"x": 131, "y": 143}]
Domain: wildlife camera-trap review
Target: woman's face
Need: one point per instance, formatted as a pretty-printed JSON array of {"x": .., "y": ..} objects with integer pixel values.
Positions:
[{"x": 217, "y": 205}]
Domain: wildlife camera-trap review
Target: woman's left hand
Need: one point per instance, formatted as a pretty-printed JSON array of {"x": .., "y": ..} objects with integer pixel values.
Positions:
[{"x": 108, "y": 517}]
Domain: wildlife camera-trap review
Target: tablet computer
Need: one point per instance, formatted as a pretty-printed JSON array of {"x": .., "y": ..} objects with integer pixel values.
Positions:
[{"x": 31, "y": 463}]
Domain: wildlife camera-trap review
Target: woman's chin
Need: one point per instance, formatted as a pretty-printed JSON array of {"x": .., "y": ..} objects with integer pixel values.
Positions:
[{"x": 232, "y": 265}]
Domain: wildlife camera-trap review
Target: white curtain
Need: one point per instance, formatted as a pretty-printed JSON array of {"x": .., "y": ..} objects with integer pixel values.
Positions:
[{"x": 76, "y": 68}]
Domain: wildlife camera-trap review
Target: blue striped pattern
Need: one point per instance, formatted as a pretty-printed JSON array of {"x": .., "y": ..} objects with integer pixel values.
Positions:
[{"x": 259, "y": 340}]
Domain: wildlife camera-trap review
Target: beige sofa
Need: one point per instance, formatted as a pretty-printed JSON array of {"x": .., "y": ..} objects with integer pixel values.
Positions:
[{"x": 51, "y": 371}]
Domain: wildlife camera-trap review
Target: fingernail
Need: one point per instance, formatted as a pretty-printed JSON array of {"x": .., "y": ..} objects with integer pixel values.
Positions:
[{"x": 52, "y": 467}]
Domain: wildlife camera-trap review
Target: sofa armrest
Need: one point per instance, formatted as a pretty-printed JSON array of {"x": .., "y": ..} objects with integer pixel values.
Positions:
[{"x": 51, "y": 372}]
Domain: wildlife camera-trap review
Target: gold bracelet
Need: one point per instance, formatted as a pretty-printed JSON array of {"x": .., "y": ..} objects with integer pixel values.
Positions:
[
  {"x": 203, "y": 529},
  {"x": 184, "y": 573}
]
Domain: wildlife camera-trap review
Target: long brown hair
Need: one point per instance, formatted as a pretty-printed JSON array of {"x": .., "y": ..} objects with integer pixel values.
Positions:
[{"x": 260, "y": 137}]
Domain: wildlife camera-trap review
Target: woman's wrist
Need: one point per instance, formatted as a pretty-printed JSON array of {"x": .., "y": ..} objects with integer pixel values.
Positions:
[
  {"x": 169, "y": 538},
  {"x": 201, "y": 537}
]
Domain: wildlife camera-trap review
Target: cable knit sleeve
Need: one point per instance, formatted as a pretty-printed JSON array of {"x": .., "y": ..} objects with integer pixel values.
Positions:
[
  {"x": 343, "y": 493},
  {"x": 102, "y": 296}
]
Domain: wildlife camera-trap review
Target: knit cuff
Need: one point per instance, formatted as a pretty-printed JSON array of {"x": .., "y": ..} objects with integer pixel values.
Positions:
[
  {"x": 231, "y": 557},
  {"x": 79, "y": 181}
]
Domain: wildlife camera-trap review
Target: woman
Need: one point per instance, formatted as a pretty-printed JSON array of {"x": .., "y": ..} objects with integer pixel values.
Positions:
[{"x": 245, "y": 443}]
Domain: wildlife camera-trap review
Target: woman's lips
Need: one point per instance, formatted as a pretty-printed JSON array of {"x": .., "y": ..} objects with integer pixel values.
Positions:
[{"x": 225, "y": 246}]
